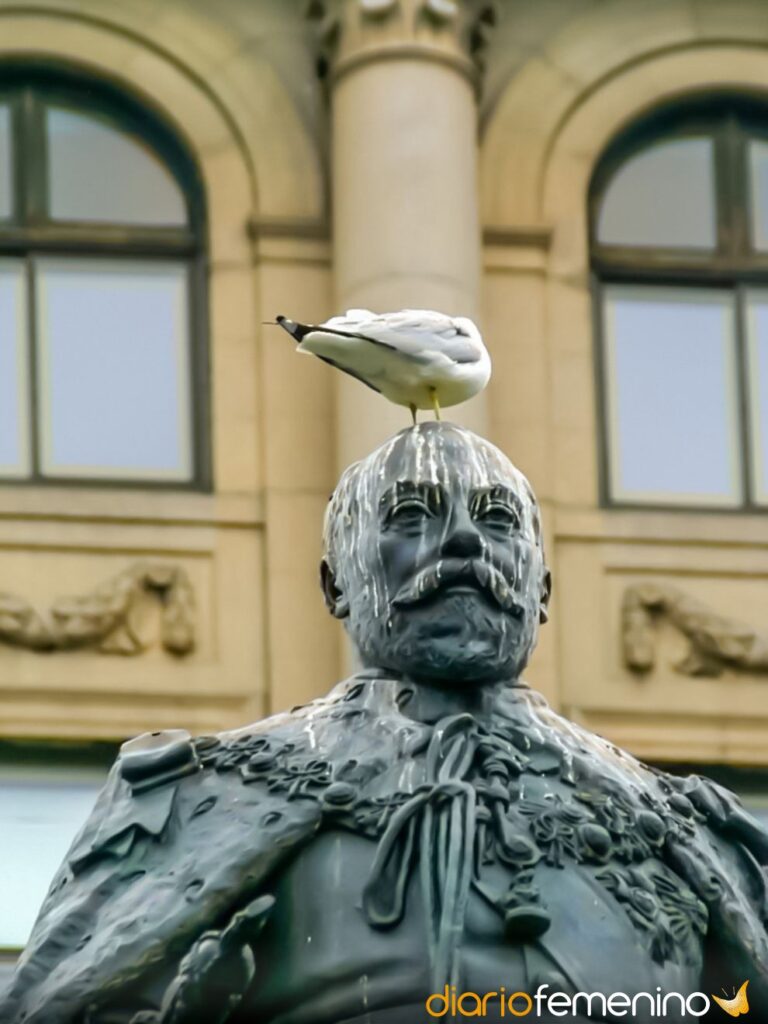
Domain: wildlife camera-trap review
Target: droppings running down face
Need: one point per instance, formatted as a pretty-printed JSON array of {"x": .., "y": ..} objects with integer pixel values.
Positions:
[{"x": 433, "y": 557}]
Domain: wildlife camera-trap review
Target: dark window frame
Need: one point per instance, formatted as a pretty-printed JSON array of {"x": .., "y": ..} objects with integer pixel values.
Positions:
[
  {"x": 731, "y": 120},
  {"x": 29, "y": 234}
]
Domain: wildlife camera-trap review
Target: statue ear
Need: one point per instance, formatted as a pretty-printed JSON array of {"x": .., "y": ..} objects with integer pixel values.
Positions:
[
  {"x": 335, "y": 601},
  {"x": 546, "y": 593}
]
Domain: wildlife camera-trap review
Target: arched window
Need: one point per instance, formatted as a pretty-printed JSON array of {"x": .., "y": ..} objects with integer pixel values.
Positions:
[
  {"x": 679, "y": 242},
  {"x": 101, "y": 289}
]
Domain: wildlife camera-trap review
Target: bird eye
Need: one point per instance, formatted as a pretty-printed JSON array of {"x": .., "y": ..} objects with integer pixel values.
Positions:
[{"x": 500, "y": 517}]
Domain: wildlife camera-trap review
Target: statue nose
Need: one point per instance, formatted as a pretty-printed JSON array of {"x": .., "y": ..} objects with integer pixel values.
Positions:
[{"x": 463, "y": 541}]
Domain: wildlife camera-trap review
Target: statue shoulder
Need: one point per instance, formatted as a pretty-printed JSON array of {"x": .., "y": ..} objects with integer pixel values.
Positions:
[
  {"x": 726, "y": 862},
  {"x": 724, "y": 814},
  {"x": 143, "y": 785},
  {"x": 137, "y": 798},
  {"x": 183, "y": 839},
  {"x": 177, "y": 842}
]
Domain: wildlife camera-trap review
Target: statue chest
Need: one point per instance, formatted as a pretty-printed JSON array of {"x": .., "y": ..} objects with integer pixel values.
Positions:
[
  {"x": 321, "y": 961},
  {"x": 477, "y": 857}
]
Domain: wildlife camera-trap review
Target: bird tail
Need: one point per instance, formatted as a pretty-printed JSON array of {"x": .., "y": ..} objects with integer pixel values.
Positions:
[{"x": 296, "y": 330}]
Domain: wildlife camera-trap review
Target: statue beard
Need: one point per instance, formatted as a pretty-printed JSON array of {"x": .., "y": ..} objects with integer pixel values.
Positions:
[{"x": 457, "y": 638}]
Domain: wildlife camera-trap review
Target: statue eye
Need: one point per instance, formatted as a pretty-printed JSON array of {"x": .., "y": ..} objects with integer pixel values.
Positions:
[
  {"x": 410, "y": 512},
  {"x": 500, "y": 517}
]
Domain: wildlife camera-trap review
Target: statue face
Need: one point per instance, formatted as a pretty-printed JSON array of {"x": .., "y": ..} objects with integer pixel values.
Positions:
[{"x": 436, "y": 561}]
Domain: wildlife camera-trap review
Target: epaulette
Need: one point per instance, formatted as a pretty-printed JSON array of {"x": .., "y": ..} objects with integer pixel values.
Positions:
[
  {"x": 138, "y": 798},
  {"x": 156, "y": 758}
]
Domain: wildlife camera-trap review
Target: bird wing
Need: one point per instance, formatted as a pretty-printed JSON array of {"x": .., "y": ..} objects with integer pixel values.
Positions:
[
  {"x": 415, "y": 333},
  {"x": 352, "y": 373}
]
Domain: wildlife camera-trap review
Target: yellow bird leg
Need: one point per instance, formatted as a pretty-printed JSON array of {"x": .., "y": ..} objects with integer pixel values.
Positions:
[
  {"x": 412, "y": 407},
  {"x": 435, "y": 403}
]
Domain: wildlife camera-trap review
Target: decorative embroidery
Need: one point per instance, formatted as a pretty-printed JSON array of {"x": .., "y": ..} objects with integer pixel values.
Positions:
[
  {"x": 518, "y": 823},
  {"x": 554, "y": 825},
  {"x": 670, "y": 916},
  {"x": 524, "y": 917}
]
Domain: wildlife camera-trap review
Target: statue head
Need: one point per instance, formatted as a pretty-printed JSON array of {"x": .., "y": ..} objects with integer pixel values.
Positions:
[{"x": 433, "y": 557}]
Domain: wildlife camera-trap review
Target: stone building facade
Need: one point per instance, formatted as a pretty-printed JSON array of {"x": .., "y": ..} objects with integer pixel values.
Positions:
[{"x": 467, "y": 156}]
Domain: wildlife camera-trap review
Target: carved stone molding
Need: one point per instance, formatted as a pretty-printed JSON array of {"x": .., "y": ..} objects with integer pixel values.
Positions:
[
  {"x": 716, "y": 642},
  {"x": 106, "y": 618},
  {"x": 352, "y": 31}
]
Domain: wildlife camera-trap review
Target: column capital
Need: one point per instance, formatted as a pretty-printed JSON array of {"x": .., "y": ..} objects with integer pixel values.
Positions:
[{"x": 351, "y": 33}]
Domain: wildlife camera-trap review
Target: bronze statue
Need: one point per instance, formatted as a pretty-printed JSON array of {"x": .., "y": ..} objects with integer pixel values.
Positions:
[{"x": 430, "y": 828}]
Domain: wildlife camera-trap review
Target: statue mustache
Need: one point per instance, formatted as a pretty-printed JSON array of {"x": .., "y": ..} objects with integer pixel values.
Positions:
[{"x": 450, "y": 571}]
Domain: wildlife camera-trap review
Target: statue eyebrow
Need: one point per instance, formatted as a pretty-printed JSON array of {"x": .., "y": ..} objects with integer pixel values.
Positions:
[
  {"x": 433, "y": 495},
  {"x": 497, "y": 494}
]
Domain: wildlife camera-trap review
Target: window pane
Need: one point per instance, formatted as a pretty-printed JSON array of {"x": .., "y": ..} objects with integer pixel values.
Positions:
[
  {"x": 671, "y": 394},
  {"x": 40, "y": 814},
  {"x": 757, "y": 347},
  {"x": 14, "y": 386},
  {"x": 6, "y": 163},
  {"x": 114, "y": 369},
  {"x": 758, "y": 187},
  {"x": 98, "y": 173},
  {"x": 664, "y": 196}
]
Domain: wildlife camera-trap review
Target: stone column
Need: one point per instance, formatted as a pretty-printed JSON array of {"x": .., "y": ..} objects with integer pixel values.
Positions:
[{"x": 403, "y": 79}]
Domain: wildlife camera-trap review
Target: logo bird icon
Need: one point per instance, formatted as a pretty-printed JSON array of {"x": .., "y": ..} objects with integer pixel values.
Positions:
[{"x": 736, "y": 1006}]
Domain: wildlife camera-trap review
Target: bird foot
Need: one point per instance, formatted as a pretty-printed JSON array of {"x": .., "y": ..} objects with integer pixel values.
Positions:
[{"x": 435, "y": 403}]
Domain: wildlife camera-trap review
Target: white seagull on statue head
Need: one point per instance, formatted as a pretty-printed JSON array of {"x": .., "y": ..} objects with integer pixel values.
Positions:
[{"x": 416, "y": 357}]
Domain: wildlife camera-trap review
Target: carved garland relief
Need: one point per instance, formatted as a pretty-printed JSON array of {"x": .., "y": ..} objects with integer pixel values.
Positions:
[
  {"x": 716, "y": 643},
  {"x": 105, "y": 618}
]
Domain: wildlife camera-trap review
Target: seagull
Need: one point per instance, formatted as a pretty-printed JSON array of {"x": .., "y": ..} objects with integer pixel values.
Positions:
[{"x": 415, "y": 357}]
